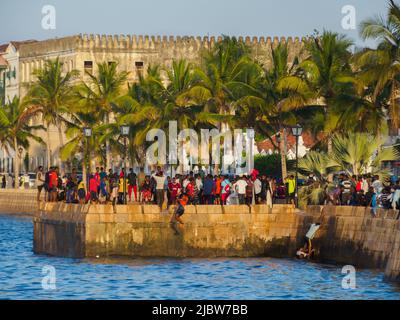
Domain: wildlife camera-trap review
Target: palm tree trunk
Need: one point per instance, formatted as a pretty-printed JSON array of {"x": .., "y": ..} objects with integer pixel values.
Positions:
[
  {"x": 84, "y": 173},
  {"x": 61, "y": 140},
  {"x": 108, "y": 155},
  {"x": 16, "y": 164},
  {"x": 330, "y": 150},
  {"x": 282, "y": 147},
  {"x": 48, "y": 150},
  {"x": 393, "y": 110}
]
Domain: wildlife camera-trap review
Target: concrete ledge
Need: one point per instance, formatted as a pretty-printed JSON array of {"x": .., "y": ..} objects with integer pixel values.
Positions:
[
  {"x": 209, "y": 209},
  {"x": 151, "y": 209},
  {"x": 236, "y": 209}
]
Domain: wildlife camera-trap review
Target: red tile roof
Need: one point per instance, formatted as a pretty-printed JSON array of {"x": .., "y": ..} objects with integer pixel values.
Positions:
[
  {"x": 3, "y": 47},
  {"x": 3, "y": 62},
  {"x": 308, "y": 140}
]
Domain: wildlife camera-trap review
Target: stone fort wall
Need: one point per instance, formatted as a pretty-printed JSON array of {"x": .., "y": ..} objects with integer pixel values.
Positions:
[{"x": 131, "y": 49}]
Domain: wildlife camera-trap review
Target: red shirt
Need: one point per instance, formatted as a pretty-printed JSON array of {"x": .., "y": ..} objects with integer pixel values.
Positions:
[
  {"x": 174, "y": 188},
  {"x": 53, "y": 179},
  {"x": 97, "y": 177},
  {"x": 190, "y": 190},
  {"x": 93, "y": 185}
]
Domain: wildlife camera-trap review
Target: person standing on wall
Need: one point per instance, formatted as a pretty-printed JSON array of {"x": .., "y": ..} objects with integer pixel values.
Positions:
[
  {"x": 291, "y": 189},
  {"x": 132, "y": 180},
  {"x": 39, "y": 181},
  {"x": 3, "y": 182},
  {"x": 160, "y": 181}
]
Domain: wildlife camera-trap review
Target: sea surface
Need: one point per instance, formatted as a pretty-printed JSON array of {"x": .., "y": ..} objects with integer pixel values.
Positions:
[{"x": 24, "y": 275}]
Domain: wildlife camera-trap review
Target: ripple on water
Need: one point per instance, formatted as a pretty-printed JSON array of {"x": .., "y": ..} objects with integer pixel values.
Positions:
[{"x": 138, "y": 278}]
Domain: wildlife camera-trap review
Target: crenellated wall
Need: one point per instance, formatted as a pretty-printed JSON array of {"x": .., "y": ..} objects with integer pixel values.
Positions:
[{"x": 145, "y": 42}]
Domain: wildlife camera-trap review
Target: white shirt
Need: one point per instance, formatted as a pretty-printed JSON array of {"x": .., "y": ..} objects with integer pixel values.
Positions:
[
  {"x": 312, "y": 231},
  {"x": 185, "y": 183},
  {"x": 199, "y": 184},
  {"x": 377, "y": 185},
  {"x": 257, "y": 186},
  {"x": 241, "y": 186},
  {"x": 159, "y": 181},
  {"x": 364, "y": 185},
  {"x": 396, "y": 198}
]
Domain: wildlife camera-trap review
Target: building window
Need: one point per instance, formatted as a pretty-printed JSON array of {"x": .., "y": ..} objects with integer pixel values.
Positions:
[
  {"x": 139, "y": 68},
  {"x": 88, "y": 65},
  {"x": 139, "y": 64}
]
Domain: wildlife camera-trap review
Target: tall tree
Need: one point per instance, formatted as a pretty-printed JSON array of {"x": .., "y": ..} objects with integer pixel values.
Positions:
[
  {"x": 15, "y": 130},
  {"x": 328, "y": 72},
  {"x": 275, "y": 98},
  {"x": 220, "y": 81},
  {"x": 381, "y": 66},
  {"x": 100, "y": 92},
  {"x": 53, "y": 93}
]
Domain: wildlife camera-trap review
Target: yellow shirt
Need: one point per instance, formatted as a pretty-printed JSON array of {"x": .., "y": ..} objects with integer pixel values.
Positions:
[
  {"x": 121, "y": 185},
  {"x": 81, "y": 185},
  {"x": 291, "y": 185}
]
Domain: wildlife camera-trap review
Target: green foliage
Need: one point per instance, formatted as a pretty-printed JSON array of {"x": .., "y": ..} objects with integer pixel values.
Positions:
[{"x": 271, "y": 164}]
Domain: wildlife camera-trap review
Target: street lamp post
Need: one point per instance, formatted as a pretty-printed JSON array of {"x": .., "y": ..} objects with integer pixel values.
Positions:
[
  {"x": 250, "y": 138},
  {"x": 87, "y": 132},
  {"x": 125, "y": 133},
  {"x": 297, "y": 130}
]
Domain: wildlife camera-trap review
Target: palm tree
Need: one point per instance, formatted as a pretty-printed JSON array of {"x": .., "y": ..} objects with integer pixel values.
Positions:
[
  {"x": 53, "y": 94},
  {"x": 276, "y": 97},
  {"x": 78, "y": 143},
  {"x": 357, "y": 153},
  {"x": 158, "y": 102},
  {"x": 15, "y": 130},
  {"x": 354, "y": 153},
  {"x": 220, "y": 82},
  {"x": 381, "y": 67},
  {"x": 328, "y": 72},
  {"x": 100, "y": 92}
]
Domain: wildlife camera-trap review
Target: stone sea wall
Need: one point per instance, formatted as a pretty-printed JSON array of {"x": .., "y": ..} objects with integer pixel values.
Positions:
[
  {"x": 348, "y": 235},
  {"x": 18, "y": 201},
  {"x": 352, "y": 235},
  {"x": 136, "y": 230}
]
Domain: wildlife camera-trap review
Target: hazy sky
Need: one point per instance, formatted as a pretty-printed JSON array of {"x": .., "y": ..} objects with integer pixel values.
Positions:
[{"x": 22, "y": 19}]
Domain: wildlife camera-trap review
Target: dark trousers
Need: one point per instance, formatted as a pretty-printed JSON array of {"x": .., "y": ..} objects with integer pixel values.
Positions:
[
  {"x": 208, "y": 199},
  {"x": 241, "y": 198},
  {"x": 160, "y": 197}
]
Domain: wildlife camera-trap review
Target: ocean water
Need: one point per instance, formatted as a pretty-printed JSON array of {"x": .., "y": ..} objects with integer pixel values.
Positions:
[{"x": 24, "y": 275}]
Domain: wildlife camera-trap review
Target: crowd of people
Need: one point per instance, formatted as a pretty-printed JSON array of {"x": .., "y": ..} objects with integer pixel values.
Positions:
[
  {"x": 157, "y": 188},
  {"x": 255, "y": 188},
  {"x": 364, "y": 190}
]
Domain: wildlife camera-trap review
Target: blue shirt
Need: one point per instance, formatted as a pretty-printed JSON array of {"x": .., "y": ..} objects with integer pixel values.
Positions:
[{"x": 208, "y": 186}]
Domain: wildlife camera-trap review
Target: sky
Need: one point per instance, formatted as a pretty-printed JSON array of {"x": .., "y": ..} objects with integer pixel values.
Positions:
[{"x": 22, "y": 19}]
